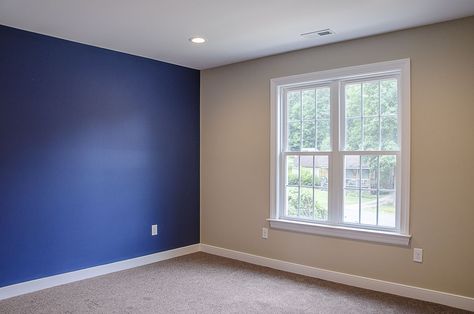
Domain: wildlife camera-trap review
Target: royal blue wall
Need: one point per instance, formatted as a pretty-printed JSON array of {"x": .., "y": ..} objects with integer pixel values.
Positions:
[{"x": 95, "y": 147}]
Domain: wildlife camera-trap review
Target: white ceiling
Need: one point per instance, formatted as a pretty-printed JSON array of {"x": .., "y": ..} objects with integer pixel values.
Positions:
[{"x": 236, "y": 30}]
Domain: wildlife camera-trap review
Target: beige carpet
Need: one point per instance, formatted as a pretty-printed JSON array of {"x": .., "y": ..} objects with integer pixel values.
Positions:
[{"x": 203, "y": 283}]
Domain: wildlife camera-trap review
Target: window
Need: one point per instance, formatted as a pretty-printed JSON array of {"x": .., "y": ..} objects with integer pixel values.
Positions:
[{"x": 340, "y": 152}]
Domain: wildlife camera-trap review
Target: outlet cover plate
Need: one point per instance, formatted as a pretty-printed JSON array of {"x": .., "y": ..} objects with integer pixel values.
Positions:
[{"x": 418, "y": 255}]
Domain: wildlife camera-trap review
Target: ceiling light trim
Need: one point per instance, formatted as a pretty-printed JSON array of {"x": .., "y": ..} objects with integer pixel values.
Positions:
[{"x": 198, "y": 40}]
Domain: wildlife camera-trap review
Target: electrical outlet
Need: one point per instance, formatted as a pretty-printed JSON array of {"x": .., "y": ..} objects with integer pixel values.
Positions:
[
  {"x": 264, "y": 233},
  {"x": 154, "y": 230},
  {"x": 418, "y": 255}
]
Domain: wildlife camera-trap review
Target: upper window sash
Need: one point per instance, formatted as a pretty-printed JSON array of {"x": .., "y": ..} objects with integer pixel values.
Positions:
[
  {"x": 288, "y": 120},
  {"x": 383, "y": 115}
]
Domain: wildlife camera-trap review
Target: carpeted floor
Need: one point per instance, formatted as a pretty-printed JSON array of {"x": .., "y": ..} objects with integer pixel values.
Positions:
[{"x": 203, "y": 283}]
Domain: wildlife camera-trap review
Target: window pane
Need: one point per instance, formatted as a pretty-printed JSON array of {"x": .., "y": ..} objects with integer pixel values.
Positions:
[
  {"x": 369, "y": 168},
  {"x": 323, "y": 135},
  {"x": 370, "y": 92},
  {"x": 306, "y": 171},
  {"x": 353, "y": 100},
  {"x": 321, "y": 175},
  {"x": 294, "y": 105},
  {"x": 352, "y": 171},
  {"x": 389, "y": 132},
  {"x": 387, "y": 209},
  {"x": 321, "y": 204},
  {"x": 373, "y": 178},
  {"x": 292, "y": 166},
  {"x": 308, "y": 125},
  {"x": 351, "y": 188},
  {"x": 378, "y": 111},
  {"x": 351, "y": 206},
  {"x": 323, "y": 102},
  {"x": 387, "y": 172},
  {"x": 292, "y": 201},
  {"x": 309, "y": 135},
  {"x": 388, "y": 97},
  {"x": 368, "y": 214},
  {"x": 353, "y": 134},
  {"x": 307, "y": 187},
  {"x": 306, "y": 210},
  {"x": 294, "y": 136},
  {"x": 321, "y": 171},
  {"x": 309, "y": 104},
  {"x": 371, "y": 133}
]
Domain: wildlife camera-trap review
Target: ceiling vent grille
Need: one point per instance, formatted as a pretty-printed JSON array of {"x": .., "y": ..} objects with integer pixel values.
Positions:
[{"x": 320, "y": 33}]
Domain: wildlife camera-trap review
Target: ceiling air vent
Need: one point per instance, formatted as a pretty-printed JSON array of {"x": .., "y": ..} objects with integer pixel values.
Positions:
[{"x": 320, "y": 33}]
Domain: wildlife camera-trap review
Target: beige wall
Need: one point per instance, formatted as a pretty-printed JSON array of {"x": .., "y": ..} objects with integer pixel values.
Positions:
[{"x": 235, "y": 135}]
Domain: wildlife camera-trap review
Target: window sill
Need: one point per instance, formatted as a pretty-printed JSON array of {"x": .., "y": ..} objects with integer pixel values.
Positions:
[{"x": 342, "y": 232}]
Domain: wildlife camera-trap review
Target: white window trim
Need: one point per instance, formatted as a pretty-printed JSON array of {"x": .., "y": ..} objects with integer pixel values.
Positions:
[{"x": 402, "y": 67}]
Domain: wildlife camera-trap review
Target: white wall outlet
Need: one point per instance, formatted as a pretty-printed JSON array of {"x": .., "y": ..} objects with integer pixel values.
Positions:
[
  {"x": 418, "y": 255},
  {"x": 154, "y": 230},
  {"x": 264, "y": 233}
]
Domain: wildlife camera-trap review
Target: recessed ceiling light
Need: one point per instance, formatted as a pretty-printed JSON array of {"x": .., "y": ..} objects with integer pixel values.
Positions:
[{"x": 197, "y": 40}]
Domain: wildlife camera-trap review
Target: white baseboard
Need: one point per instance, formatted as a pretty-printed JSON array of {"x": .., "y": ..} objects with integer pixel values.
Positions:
[
  {"x": 61, "y": 279},
  {"x": 458, "y": 301},
  {"x": 448, "y": 299}
]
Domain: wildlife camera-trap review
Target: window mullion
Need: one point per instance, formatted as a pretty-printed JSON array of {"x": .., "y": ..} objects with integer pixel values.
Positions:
[
  {"x": 301, "y": 120},
  {"x": 312, "y": 184},
  {"x": 360, "y": 188},
  {"x": 362, "y": 120},
  {"x": 398, "y": 199},
  {"x": 283, "y": 146},
  {"x": 299, "y": 187},
  {"x": 335, "y": 159}
]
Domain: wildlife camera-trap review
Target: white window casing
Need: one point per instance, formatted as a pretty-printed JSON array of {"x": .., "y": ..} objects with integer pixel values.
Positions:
[{"x": 334, "y": 225}]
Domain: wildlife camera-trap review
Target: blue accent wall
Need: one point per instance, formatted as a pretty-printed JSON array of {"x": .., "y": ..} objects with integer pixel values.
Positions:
[{"x": 95, "y": 147}]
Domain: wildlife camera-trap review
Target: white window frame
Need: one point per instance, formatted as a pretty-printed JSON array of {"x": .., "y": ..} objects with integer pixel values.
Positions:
[{"x": 336, "y": 78}]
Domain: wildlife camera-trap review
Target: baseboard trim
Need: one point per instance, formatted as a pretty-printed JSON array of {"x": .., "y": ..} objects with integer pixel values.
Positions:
[
  {"x": 423, "y": 294},
  {"x": 454, "y": 300},
  {"x": 61, "y": 279}
]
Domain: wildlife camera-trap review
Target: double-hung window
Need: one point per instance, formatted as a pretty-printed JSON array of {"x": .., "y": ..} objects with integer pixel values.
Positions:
[{"x": 340, "y": 152}]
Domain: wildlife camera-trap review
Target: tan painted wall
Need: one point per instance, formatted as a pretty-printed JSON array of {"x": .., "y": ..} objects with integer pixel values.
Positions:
[{"x": 235, "y": 135}]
